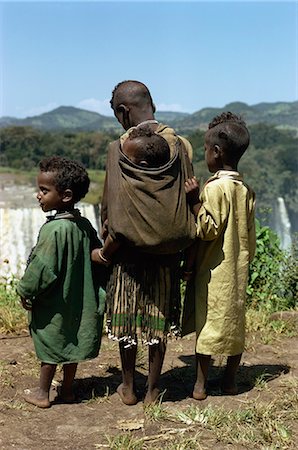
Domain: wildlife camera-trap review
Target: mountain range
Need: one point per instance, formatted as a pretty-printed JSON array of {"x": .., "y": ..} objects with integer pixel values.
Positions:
[{"x": 68, "y": 118}]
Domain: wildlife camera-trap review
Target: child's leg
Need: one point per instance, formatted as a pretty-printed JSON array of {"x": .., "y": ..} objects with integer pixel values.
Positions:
[
  {"x": 126, "y": 389},
  {"x": 202, "y": 361},
  {"x": 156, "y": 357},
  {"x": 229, "y": 379},
  {"x": 66, "y": 393},
  {"x": 40, "y": 396}
]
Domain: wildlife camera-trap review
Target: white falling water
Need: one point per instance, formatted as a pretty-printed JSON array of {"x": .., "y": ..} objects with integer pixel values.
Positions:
[
  {"x": 282, "y": 224},
  {"x": 19, "y": 228}
]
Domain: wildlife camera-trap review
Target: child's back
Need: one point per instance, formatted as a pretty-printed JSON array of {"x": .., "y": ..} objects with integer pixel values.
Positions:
[
  {"x": 215, "y": 297},
  {"x": 226, "y": 232}
]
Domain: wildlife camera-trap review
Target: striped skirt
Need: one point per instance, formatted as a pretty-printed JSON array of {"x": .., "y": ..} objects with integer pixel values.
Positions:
[{"x": 143, "y": 302}]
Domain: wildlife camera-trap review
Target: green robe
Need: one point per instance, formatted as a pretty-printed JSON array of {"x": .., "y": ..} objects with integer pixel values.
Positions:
[{"x": 67, "y": 315}]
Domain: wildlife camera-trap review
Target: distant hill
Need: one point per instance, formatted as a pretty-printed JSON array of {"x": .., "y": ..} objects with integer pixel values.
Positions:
[
  {"x": 282, "y": 114},
  {"x": 65, "y": 118}
]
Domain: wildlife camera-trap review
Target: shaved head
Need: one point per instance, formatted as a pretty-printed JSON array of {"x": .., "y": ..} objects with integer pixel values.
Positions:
[{"x": 132, "y": 94}]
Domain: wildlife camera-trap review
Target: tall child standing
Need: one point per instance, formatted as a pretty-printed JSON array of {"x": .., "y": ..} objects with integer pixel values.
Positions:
[
  {"x": 144, "y": 282},
  {"x": 58, "y": 285},
  {"x": 215, "y": 295}
]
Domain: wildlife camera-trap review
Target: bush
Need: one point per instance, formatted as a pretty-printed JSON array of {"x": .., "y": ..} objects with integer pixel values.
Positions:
[
  {"x": 13, "y": 318},
  {"x": 273, "y": 275}
]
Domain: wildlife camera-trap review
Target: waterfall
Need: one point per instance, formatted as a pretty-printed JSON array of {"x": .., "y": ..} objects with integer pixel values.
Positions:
[
  {"x": 19, "y": 228},
  {"x": 282, "y": 224}
]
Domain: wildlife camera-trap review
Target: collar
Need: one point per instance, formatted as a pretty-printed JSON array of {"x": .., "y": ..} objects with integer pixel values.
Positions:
[
  {"x": 73, "y": 214},
  {"x": 226, "y": 174},
  {"x": 146, "y": 122}
]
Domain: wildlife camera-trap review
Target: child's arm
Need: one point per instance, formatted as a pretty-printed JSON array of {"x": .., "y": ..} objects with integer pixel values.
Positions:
[
  {"x": 104, "y": 255},
  {"x": 192, "y": 189}
]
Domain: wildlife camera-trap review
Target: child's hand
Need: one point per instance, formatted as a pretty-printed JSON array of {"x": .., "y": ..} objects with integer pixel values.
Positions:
[
  {"x": 192, "y": 189},
  {"x": 104, "y": 230},
  {"x": 98, "y": 257},
  {"x": 26, "y": 304}
]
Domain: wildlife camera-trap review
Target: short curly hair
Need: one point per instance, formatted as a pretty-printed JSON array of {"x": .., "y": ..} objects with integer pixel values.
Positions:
[
  {"x": 68, "y": 174},
  {"x": 152, "y": 148},
  {"x": 229, "y": 131}
]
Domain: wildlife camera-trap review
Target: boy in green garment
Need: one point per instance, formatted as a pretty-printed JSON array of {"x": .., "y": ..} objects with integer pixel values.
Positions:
[
  {"x": 59, "y": 286},
  {"x": 215, "y": 296}
]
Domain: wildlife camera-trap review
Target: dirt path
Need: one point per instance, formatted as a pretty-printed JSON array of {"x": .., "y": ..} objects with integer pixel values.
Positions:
[{"x": 268, "y": 374}]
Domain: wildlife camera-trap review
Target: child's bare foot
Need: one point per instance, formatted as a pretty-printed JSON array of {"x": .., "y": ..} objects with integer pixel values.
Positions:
[
  {"x": 64, "y": 395},
  {"x": 37, "y": 397},
  {"x": 127, "y": 395},
  {"x": 229, "y": 388},
  {"x": 199, "y": 393},
  {"x": 151, "y": 397}
]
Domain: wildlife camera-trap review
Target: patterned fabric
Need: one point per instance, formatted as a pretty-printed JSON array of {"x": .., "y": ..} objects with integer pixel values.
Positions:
[
  {"x": 143, "y": 301},
  {"x": 143, "y": 291}
]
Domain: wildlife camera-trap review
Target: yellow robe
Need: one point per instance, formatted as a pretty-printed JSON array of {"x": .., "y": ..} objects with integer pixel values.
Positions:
[{"x": 215, "y": 298}]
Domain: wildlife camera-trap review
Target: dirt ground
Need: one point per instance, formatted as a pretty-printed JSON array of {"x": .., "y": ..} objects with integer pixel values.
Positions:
[{"x": 98, "y": 413}]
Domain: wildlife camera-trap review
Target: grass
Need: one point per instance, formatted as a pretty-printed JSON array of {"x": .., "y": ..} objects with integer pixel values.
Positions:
[
  {"x": 257, "y": 424},
  {"x": 19, "y": 177},
  {"x": 156, "y": 412},
  {"x": 97, "y": 178},
  {"x": 96, "y": 399},
  {"x": 13, "y": 318},
  {"x": 258, "y": 320},
  {"x": 123, "y": 442},
  {"x": 6, "y": 378}
]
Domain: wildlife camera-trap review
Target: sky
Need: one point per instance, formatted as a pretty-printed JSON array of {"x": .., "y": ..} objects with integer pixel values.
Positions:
[{"x": 190, "y": 54}]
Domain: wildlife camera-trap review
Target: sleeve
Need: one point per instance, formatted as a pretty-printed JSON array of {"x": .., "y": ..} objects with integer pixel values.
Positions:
[
  {"x": 187, "y": 157},
  {"x": 213, "y": 213},
  {"x": 43, "y": 268},
  {"x": 104, "y": 203},
  {"x": 112, "y": 148},
  {"x": 188, "y": 148},
  {"x": 252, "y": 229},
  {"x": 95, "y": 242}
]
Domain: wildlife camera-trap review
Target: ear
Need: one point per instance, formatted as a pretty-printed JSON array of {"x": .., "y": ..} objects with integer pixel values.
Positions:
[
  {"x": 122, "y": 115},
  {"x": 122, "y": 108},
  {"x": 217, "y": 151},
  {"x": 67, "y": 196}
]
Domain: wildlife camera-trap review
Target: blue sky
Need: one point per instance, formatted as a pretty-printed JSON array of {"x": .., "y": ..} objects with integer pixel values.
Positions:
[{"x": 191, "y": 54}]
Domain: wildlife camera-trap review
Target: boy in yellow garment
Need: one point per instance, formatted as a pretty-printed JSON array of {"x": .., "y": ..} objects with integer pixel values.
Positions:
[{"x": 215, "y": 295}]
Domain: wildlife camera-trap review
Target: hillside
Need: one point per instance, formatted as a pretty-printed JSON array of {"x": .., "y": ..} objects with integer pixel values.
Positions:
[
  {"x": 65, "y": 118},
  {"x": 281, "y": 114}
]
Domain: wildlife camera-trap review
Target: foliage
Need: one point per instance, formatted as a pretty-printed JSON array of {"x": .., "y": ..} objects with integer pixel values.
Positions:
[
  {"x": 24, "y": 147},
  {"x": 268, "y": 165},
  {"x": 13, "y": 318},
  {"x": 273, "y": 276}
]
